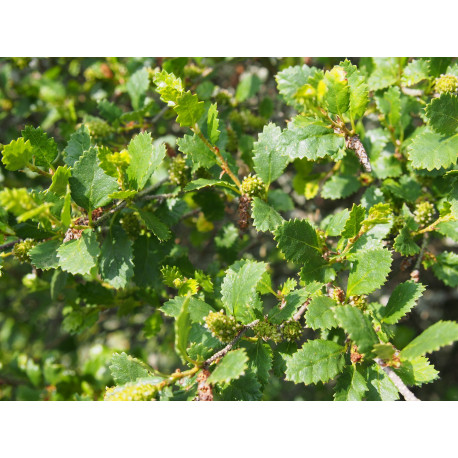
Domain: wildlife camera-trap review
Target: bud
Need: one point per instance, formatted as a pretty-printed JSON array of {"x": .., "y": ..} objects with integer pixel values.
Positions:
[
  {"x": 292, "y": 330},
  {"x": 358, "y": 301},
  {"x": 121, "y": 159},
  {"x": 131, "y": 225},
  {"x": 265, "y": 331},
  {"x": 355, "y": 357},
  {"x": 223, "y": 327},
  {"x": 338, "y": 294},
  {"x": 446, "y": 83},
  {"x": 98, "y": 128},
  {"x": 178, "y": 170},
  {"x": 424, "y": 213},
  {"x": 21, "y": 250},
  {"x": 253, "y": 186}
]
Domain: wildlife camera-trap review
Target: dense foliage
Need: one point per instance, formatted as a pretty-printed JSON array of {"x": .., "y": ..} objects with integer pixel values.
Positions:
[{"x": 228, "y": 229}]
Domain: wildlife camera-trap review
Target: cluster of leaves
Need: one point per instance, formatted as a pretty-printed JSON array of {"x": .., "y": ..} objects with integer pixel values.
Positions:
[{"x": 161, "y": 222}]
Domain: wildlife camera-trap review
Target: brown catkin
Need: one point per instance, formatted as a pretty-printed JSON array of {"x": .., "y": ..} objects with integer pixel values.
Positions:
[{"x": 354, "y": 143}]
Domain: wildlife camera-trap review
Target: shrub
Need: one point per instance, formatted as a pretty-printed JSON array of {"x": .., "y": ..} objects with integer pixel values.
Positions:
[{"x": 249, "y": 237}]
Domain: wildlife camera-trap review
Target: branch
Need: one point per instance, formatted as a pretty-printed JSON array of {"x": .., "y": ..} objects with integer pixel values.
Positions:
[
  {"x": 302, "y": 310},
  {"x": 143, "y": 195},
  {"x": 398, "y": 383},
  {"x": 229, "y": 346},
  {"x": 8, "y": 245},
  {"x": 215, "y": 150}
]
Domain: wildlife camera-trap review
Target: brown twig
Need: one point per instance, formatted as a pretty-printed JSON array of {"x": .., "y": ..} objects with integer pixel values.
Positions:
[
  {"x": 398, "y": 383},
  {"x": 302, "y": 310},
  {"x": 229, "y": 346}
]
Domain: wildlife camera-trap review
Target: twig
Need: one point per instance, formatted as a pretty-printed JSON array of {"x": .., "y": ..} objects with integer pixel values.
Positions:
[
  {"x": 412, "y": 92},
  {"x": 398, "y": 383},
  {"x": 159, "y": 196},
  {"x": 215, "y": 150},
  {"x": 302, "y": 310},
  {"x": 229, "y": 346},
  {"x": 415, "y": 274},
  {"x": 159, "y": 115},
  {"x": 8, "y": 245},
  {"x": 109, "y": 213},
  {"x": 143, "y": 195}
]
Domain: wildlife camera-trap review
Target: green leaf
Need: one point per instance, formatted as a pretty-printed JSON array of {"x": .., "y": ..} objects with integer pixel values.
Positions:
[
  {"x": 386, "y": 72},
  {"x": 320, "y": 314},
  {"x": 359, "y": 94},
  {"x": 79, "y": 256},
  {"x": 248, "y": 87},
  {"x": 268, "y": 160},
  {"x": 354, "y": 222},
  {"x": 197, "y": 151},
  {"x": 44, "y": 255},
  {"x": 449, "y": 229},
  {"x": 402, "y": 300},
  {"x": 168, "y": 86},
  {"x": 381, "y": 388},
  {"x": 298, "y": 241},
  {"x": 155, "y": 225},
  {"x": 245, "y": 388},
  {"x": 384, "y": 351},
  {"x": 60, "y": 181},
  {"x": 109, "y": 110},
  {"x": 44, "y": 149},
  {"x": 136, "y": 86},
  {"x": 122, "y": 195},
  {"x": 404, "y": 242},
  {"x": 358, "y": 326},
  {"x": 204, "y": 182},
  {"x": 182, "y": 330},
  {"x": 239, "y": 286},
  {"x": 115, "y": 261},
  {"x": 317, "y": 361},
  {"x": 66, "y": 214},
  {"x": 293, "y": 301},
  {"x": 79, "y": 142},
  {"x": 336, "y": 223},
  {"x": 144, "y": 159},
  {"x": 105, "y": 156},
  {"x": 430, "y": 150},
  {"x": 232, "y": 366},
  {"x": 197, "y": 308},
  {"x": 446, "y": 268},
  {"x": 188, "y": 109},
  {"x": 442, "y": 114},
  {"x": 17, "y": 154},
  {"x": 148, "y": 253},
  {"x": 414, "y": 72},
  {"x": 369, "y": 272},
  {"x": 212, "y": 124},
  {"x": 389, "y": 104},
  {"x": 337, "y": 93},
  {"x": 260, "y": 358},
  {"x": 125, "y": 368},
  {"x": 89, "y": 184},
  {"x": 351, "y": 385},
  {"x": 417, "y": 371},
  {"x": 265, "y": 218},
  {"x": 436, "y": 336},
  {"x": 310, "y": 138},
  {"x": 290, "y": 80},
  {"x": 340, "y": 187},
  {"x": 316, "y": 269}
]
